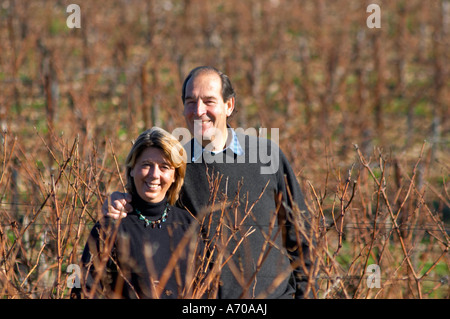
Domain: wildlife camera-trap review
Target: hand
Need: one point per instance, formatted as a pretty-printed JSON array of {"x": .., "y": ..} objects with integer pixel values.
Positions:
[{"x": 117, "y": 205}]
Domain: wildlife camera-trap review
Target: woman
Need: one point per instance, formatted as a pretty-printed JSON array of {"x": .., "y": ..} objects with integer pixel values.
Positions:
[{"x": 150, "y": 251}]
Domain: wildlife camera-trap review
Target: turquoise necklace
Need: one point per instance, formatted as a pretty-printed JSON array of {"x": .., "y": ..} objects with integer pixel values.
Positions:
[{"x": 157, "y": 222}]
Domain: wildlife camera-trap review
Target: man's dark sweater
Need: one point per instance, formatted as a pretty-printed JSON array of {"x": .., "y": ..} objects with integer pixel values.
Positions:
[{"x": 261, "y": 257}]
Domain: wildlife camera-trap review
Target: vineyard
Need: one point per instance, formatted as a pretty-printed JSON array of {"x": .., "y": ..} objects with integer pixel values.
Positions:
[{"x": 363, "y": 117}]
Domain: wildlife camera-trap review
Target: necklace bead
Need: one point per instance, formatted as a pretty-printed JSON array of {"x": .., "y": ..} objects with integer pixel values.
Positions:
[{"x": 153, "y": 223}]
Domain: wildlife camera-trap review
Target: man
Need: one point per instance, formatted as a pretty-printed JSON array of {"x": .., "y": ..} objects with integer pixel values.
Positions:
[{"x": 259, "y": 231}]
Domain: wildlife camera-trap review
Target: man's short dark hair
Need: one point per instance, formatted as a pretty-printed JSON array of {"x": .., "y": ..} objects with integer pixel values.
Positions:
[{"x": 227, "y": 89}]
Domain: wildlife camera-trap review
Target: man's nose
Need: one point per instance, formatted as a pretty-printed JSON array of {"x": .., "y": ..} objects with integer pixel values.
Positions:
[{"x": 200, "y": 108}]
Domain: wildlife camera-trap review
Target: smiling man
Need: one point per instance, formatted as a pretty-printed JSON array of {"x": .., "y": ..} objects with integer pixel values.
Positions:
[
  {"x": 265, "y": 211},
  {"x": 209, "y": 100},
  {"x": 205, "y": 110}
]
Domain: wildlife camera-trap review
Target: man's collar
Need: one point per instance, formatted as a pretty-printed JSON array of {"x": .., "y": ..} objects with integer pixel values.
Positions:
[{"x": 233, "y": 145}]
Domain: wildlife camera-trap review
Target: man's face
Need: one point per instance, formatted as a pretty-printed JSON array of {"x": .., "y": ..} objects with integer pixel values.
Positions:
[{"x": 205, "y": 110}]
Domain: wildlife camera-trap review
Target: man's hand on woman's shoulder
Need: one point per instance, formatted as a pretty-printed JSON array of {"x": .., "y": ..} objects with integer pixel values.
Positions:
[{"x": 117, "y": 205}]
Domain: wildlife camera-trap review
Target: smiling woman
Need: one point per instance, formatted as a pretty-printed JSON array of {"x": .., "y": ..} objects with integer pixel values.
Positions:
[
  {"x": 152, "y": 175},
  {"x": 156, "y": 165},
  {"x": 146, "y": 262}
]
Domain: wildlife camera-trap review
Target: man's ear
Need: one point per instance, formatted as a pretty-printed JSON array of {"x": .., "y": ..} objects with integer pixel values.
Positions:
[{"x": 230, "y": 106}]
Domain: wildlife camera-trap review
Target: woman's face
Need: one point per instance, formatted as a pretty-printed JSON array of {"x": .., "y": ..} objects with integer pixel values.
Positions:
[{"x": 153, "y": 175}]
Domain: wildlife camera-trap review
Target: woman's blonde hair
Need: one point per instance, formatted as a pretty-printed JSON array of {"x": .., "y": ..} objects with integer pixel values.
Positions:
[{"x": 173, "y": 151}]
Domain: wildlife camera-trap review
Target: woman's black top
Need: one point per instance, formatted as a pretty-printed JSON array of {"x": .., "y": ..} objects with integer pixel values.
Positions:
[{"x": 141, "y": 253}]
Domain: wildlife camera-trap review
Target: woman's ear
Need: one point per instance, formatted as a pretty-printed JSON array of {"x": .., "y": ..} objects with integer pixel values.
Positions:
[{"x": 174, "y": 177}]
